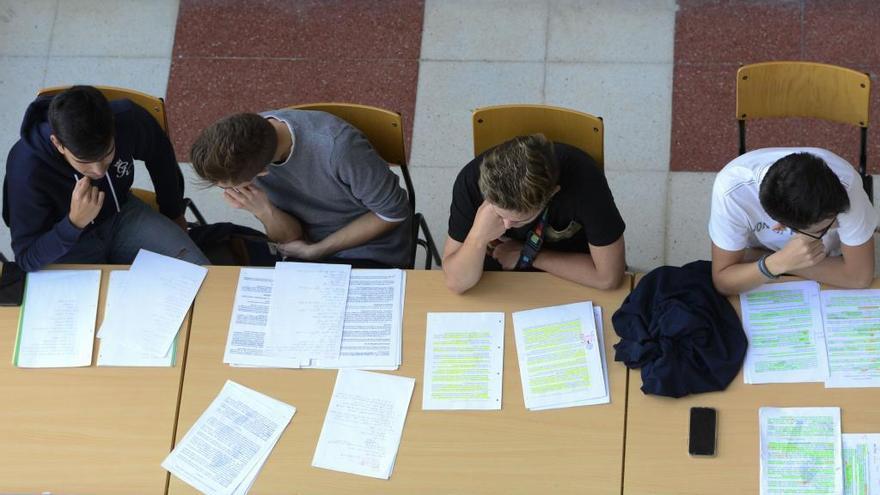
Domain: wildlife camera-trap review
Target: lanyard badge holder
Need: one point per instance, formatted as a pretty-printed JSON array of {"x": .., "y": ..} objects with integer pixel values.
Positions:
[{"x": 532, "y": 245}]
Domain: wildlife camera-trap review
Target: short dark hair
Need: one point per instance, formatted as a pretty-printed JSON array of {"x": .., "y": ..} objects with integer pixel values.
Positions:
[
  {"x": 81, "y": 119},
  {"x": 234, "y": 149},
  {"x": 520, "y": 174},
  {"x": 800, "y": 190}
]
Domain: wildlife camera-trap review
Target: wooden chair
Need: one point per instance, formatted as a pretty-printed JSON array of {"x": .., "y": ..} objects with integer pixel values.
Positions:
[
  {"x": 497, "y": 124},
  {"x": 805, "y": 89},
  {"x": 155, "y": 106},
  {"x": 384, "y": 130}
]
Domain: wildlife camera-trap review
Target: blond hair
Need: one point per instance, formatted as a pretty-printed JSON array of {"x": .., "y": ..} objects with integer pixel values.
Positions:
[{"x": 521, "y": 174}]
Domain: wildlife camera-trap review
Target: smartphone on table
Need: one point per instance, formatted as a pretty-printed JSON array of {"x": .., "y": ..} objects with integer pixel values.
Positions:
[
  {"x": 703, "y": 433},
  {"x": 11, "y": 284}
]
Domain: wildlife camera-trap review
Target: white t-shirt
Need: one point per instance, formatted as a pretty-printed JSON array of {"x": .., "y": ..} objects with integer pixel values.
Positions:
[{"x": 738, "y": 221}]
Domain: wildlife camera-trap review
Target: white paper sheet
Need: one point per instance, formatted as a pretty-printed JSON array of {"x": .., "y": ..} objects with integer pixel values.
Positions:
[
  {"x": 307, "y": 311},
  {"x": 605, "y": 399},
  {"x": 364, "y": 422},
  {"x": 111, "y": 352},
  {"x": 157, "y": 295},
  {"x": 250, "y": 315},
  {"x": 852, "y": 337},
  {"x": 57, "y": 324},
  {"x": 783, "y": 323},
  {"x": 800, "y": 451},
  {"x": 464, "y": 361},
  {"x": 373, "y": 325},
  {"x": 229, "y": 442},
  {"x": 861, "y": 463},
  {"x": 560, "y": 359}
]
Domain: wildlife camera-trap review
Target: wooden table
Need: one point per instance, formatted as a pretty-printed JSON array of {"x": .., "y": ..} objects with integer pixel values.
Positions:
[
  {"x": 85, "y": 430},
  {"x": 657, "y": 460},
  {"x": 576, "y": 450}
]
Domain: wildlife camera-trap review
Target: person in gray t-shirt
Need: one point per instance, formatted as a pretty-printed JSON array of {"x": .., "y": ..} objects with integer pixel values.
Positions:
[{"x": 319, "y": 188}]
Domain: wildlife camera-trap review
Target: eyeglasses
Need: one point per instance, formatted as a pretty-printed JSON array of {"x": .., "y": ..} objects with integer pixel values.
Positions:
[{"x": 818, "y": 236}]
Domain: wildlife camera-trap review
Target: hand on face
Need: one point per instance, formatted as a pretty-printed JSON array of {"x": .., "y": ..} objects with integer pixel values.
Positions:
[
  {"x": 801, "y": 252},
  {"x": 85, "y": 203},
  {"x": 487, "y": 226},
  {"x": 248, "y": 197}
]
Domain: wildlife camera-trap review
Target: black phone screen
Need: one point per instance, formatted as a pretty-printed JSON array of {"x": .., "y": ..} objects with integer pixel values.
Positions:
[
  {"x": 11, "y": 284},
  {"x": 702, "y": 431}
]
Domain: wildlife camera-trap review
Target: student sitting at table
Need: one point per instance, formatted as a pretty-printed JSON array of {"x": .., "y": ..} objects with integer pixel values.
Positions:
[
  {"x": 798, "y": 211},
  {"x": 66, "y": 192},
  {"x": 318, "y": 187},
  {"x": 533, "y": 204}
]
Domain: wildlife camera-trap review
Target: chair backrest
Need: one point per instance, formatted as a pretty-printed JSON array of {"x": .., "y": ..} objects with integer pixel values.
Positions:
[
  {"x": 383, "y": 128},
  {"x": 155, "y": 106},
  {"x": 802, "y": 89},
  {"x": 497, "y": 124}
]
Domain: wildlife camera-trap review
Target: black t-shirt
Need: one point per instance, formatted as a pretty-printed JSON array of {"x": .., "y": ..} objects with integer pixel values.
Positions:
[{"x": 581, "y": 213}]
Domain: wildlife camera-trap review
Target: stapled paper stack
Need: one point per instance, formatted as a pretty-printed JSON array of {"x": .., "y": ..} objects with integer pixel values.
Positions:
[
  {"x": 312, "y": 315},
  {"x": 561, "y": 356}
]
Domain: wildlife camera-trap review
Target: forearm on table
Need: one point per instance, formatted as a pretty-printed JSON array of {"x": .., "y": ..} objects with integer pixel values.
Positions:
[
  {"x": 360, "y": 231},
  {"x": 579, "y": 268},
  {"x": 739, "y": 278},
  {"x": 835, "y": 271}
]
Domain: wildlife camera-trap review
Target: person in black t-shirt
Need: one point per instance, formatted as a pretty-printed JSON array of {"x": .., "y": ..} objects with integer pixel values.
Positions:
[{"x": 502, "y": 196}]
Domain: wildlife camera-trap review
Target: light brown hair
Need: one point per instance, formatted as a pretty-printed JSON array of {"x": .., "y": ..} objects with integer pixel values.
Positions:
[
  {"x": 234, "y": 149},
  {"x": 521, "y": 174}
]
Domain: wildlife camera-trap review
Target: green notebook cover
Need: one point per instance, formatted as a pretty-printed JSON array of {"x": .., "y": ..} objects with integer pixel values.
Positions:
[{"x": 20, "y": 320}]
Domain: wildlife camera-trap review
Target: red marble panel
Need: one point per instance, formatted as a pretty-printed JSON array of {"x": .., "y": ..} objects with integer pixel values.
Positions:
[
  {"x": 317, "y": 29},
  {"x": 842, "y": 32},
  {"x": 737, "y": 31}
]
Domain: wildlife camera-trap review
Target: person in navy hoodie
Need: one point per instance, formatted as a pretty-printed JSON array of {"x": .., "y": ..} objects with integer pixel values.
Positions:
[{"x": 66, "y": 195}]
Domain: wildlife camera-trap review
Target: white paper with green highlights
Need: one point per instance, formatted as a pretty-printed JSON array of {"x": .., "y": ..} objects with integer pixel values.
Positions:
[
  {"x": 559, "y": 355},
  {"x": 852, "y": 336},
  {"x": 783, "y": 323},
  {"x": 861, "y": 463},
  {"x": 801, "y": 451},
  {"x": 464, "y": 361}
]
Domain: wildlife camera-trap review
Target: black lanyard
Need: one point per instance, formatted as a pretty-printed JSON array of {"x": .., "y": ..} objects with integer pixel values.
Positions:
[{"x": 534, "y": 241}]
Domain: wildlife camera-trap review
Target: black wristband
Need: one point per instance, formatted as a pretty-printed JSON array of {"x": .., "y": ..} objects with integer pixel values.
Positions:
[{"x": 762, "y": 266}]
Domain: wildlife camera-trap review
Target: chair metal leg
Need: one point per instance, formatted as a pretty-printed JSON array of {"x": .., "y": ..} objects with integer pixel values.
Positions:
[
  {"x": 424, "y": 244},
  {"x": 200, "y": 220},
  {"x": 867, "y": 179},
  {"x": 432, "y": 248},
  {"x": 431, "y": 253}
]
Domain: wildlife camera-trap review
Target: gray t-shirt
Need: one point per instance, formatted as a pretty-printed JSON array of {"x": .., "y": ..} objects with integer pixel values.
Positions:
[{"x": 332, "y": 177}]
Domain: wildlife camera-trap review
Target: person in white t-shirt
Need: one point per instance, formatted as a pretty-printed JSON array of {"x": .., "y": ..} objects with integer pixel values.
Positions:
[{"x": 798, "y": 211}]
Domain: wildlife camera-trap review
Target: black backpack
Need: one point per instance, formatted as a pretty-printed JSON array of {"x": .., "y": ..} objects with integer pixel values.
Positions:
[{"x": 230, "y": 244}]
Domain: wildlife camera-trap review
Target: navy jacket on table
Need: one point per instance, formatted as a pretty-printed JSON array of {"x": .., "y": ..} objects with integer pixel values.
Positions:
[
  {"x": 39, "y": 182},
  {"x": 683, "y": 334}
]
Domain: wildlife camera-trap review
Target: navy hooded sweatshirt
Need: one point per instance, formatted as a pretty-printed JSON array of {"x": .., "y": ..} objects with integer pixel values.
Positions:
[{"x": 39, "y": 182}]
